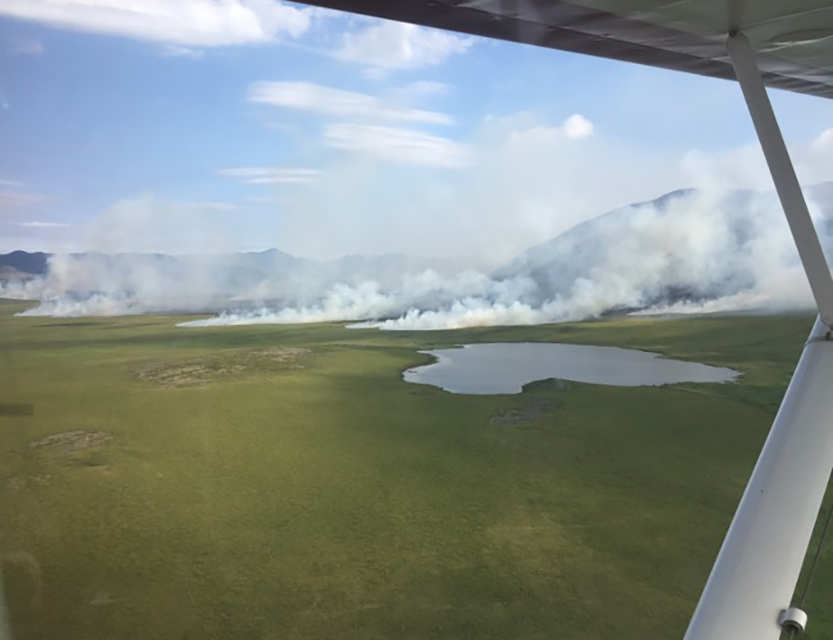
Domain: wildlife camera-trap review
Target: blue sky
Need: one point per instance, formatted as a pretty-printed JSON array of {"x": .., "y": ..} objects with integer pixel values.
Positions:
[{"x": 197, "y": 126}]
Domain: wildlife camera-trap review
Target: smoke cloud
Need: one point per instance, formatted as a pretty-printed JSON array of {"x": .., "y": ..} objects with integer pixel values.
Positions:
[
  {"x": 692, "y": 251},
  {"x": 689, "y": 252}
]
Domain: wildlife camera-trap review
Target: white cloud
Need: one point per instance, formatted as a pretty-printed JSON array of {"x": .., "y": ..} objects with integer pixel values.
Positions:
[
  {"x": 26, "y": 46},
  {"x": 574, "y": 127},
  {"x": 12, "y": 184},
  {"x": 403, "y": 146},
  {"x": 270, "y": 175},
  {"x": 41, "y": 224},
  {"x": 577, "y": 126},
  {"x": 196, "y": 23},
  {"x": 328, "y": 101},
  {"x": 386, "y": 45}
]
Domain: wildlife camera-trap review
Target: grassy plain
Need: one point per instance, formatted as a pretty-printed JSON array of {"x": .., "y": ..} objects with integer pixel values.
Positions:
[{"x": 282, "y": 482}]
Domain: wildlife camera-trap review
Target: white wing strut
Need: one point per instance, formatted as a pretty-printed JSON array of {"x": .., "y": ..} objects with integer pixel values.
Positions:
[
  {"x": 758, "y": 567},
  {"x": 783, "y": 174}
]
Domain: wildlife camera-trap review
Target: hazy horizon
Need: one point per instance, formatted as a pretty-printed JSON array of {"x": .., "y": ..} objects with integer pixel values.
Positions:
[
  {"x": 691, "y": 251},
  {"x": 324, "y": 134}
]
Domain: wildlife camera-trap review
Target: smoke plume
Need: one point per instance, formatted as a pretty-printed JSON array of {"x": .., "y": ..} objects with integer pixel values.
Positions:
[{"x": 688, "y": 252}]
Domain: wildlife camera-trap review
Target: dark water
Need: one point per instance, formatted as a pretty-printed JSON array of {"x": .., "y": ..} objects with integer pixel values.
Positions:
[{"x": 507, "y": 367}]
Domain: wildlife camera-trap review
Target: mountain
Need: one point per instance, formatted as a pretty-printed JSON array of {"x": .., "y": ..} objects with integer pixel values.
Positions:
[
  {"x": 23, "y": 262},
  {"x": 685, "y": 245}
]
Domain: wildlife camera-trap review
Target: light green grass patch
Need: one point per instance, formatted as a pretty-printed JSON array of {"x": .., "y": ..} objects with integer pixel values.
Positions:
[{"x": 311, "y": 493}]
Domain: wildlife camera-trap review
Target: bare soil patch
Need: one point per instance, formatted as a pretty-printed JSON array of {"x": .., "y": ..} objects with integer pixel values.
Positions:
[
  {"x": 199, "y": 371},
  {"x": 69, "y": 442}
]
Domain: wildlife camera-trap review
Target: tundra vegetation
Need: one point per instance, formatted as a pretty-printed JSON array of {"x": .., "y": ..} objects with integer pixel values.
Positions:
[{"x": 284, "y": 482}]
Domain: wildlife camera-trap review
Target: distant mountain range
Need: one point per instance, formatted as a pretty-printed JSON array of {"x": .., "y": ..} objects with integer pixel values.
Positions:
[{"x": 21, "y": 263}]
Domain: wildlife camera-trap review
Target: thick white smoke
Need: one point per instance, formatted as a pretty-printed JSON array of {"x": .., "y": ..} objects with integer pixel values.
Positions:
[
  {"x": 23, "y": 288},
  {"x": 370, "y": 301},
  {"x": 693, "y": 252},
  {"x": 689, "y": 252}
]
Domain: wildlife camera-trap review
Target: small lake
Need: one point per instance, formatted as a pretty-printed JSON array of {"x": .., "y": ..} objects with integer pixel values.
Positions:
[{"x": 507, "y": 367}]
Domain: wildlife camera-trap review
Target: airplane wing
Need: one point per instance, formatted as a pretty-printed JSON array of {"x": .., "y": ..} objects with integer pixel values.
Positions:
[{"x": 793, "y": 39}]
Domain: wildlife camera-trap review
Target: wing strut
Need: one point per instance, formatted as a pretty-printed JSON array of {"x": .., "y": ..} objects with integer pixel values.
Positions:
[
  {"x": 748, "y": 593},
  {"x": 783, "y": 174}
]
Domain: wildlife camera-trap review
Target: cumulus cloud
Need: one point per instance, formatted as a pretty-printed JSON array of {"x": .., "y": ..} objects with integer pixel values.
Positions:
[
  {"x": 328, "y": 101},
  {"x": 189, "y": 23},
  {"x": 573, "y": 128},
  {"x": 403, "y": 146},
  {"x": 271, "y": 175},
  {"x": 386, "y": 46},
  {"x": 577, "y": 126}
]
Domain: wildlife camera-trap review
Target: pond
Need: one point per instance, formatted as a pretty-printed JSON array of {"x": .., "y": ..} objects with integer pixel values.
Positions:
[{"x": 507, "y": 367}]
